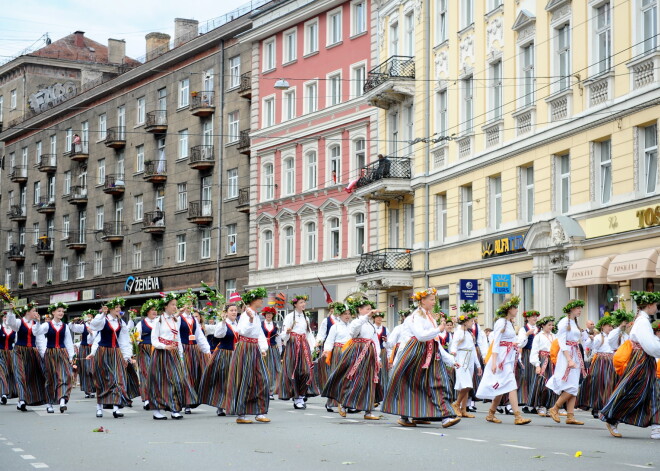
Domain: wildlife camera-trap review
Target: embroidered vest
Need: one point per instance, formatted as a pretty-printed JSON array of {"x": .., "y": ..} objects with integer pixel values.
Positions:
[
  {"x": 530, "y": 339},
  {"x": 109, "y": 335},
  {"x": 271, "y": 335},
  {"x": 7, "y": 339},
  {"x": 187, "y": 331},
  {"x": 146, "y": 332},
  {"x": 229, "y": 340},
  {"x": 383, "y": 333},
  {"x": 54, "y": 337},
  {"x": 25, "y": 337}
]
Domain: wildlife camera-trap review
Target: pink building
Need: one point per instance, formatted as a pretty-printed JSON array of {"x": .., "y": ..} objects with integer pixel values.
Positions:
[{"x": 310, "y": 136}]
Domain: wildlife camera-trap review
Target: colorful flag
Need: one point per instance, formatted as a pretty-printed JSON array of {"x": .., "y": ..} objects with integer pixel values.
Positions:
[
  {"x": 235, "y": 298},
  {"x": 328, "y": 298}
]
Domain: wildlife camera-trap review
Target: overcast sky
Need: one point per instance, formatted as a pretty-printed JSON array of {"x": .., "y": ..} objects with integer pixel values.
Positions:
[{"x": 131, "y": 20}]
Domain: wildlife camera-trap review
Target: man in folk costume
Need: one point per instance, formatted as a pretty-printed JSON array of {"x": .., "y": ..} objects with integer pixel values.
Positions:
[
  {"x": 525, "y": 374},
  {"x": 8, "y": 388}
]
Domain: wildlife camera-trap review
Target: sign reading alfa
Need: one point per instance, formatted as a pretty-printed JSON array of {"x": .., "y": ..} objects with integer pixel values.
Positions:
[
  {"x": 501, "y": 284},
  {"x": 469, "y": 290},
  {"x": 136, "y": 284},
  {"x": 503, "y": 246}
]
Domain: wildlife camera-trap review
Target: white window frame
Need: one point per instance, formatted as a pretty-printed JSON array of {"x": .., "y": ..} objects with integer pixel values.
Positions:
[
  {"x": 184, "y": 93},
  {"x": 467, "y": 104},
  {"x": 288, "y": 249},
  {"x": 441, "y": 217},
  {"x": 358, "y": 78},
  {"x": 311, "y": 100},
  {"x": 233, "y": 127},
  {"x": 359, "y": 232},
  {"x": 601, "y": 38},
  {"x": 138, "y": 207},
  {"x": 311, "y": 241},
  {"x": 141, "y": 111},
  {"x": 527, "y": 53},
  {"x": 12, "y": 99},
  {"x": 268, "y": 181},
  {"x": 359, "y": 13},
  {"x": 288, "y": 175},
  {"x": 602, "y": 171},
  {"x": 467, "y": 210},
  {"x": 268, "y": 111},
  {"x": 359, "y": 160},
  {"x": 98, "y": 263},
  {"x": 562, "y": 56},
  {"x": 139, "y": 158},
  {"x": 333, "y": 27},
  {"x": 393, "y": 37},
  {"x": 67, "y": 182},
  {"x": 467, "y": 13},
  {"x": 441, "y": 120},
  {"x": 527, "y": 193},
  {"x": 290, "y": 46},
  {"x": 137, "y": 256},
  {"x": 441, "y": 21},
  {"x": 232, "y": 183},
  {"x": 181, "y": 196},
  {"x": 495, "y": 95},
  {"x": 649, "y": 159},
  {"x": 116, "y": 260},
  {"x": 334, "y": 163},
  {"x": 647, "y": 40},
  {"x": 563, "y": 184},
  {"x": 267, "y": 249},
  {"x": 289, "y": 104},
  {"x": 331, "y": 233},
  {"x": 205, "y": 245},
  {"x": 311, "y": 170},
  {"x": 232, "y": 236},
  {"x": 100, "y": 217},
  {"x": 409, "y": 33},
  {"x": 66, "y": 226},
  {"x": 333, "y": 89},
  {"x": 495, "y": 201},
  {"x": 269, "y": 54},
  {"x": 311, "y": 29},
  {"x": 103, "y": 126},
  {"x": 183, "y": 144},
  {"x": 234, "y": 72},
  {"x": 64, "y": 269},
  {"x": 181, "y": 248}
]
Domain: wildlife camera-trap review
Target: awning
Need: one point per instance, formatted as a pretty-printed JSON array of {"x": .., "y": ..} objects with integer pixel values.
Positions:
[
  {"x": 590, "y": 271},
  {"x": 633, "y": 265}
]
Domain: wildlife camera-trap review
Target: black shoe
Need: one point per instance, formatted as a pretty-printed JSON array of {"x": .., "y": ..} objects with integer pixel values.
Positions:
[
  {"x": 508, "y": 411},
  {"x": 62, "y": 409},
  {"x": 594, "y": 413},
  {"x": 187, "y": 411},
  {"x": 146, "y": 407},
  {"x": 50, "y": 410},
  {"x": 299, "y": 407},
  {"x": 525, "y": 409},
  {"x": 87, "y": 396},
  {"x": 500, "y": 410},
  {"x": 352, "y": 411},
  {"x": 329, "y": 409},
  {"x": 471, "y": 409},
  {"x": 305, "y": 398},
  {"x": 3, "y": 400},
  {"x": 23, "y": 407},
  {"x": 92, "y": 396},
  {"x": 221, "y": 413},
  {"x": 176, "y": 416},
  {"x": 117, "y": 415}
]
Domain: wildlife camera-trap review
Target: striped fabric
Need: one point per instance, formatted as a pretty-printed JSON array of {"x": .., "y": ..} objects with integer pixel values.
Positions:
[
  {"x": 599, "y": 383},
  {"x": 321, "y": 372},
  {"x": 451, "y": 374},
  {"x": 360, "y": 391},
  {"x": 132, "y": 381},
  {"x": 59, "y": 375},
  {"x": 418, "y": 392},
  {"x": 85, "y": 370},
  {"x": 273, "y": 367},
  {"x": 476, "y": 378},
  {"x": 297, "y": 378},
  {"x": 214, "y": 380},
  {"x": 636, "y": 399},
  {"x": 335, "y": 357},
  {"x": 29, "y": 375},
  {"x": 539, "y": 395},
  {"x": 169, "y": 386},
  {"x": 7, "y": 379},
  {"x": 110, "y": 377},
  {"x": 384, "y": 373},
  {"x": 525, "y": 376},
  {"x": 195, "y": 363},
  {"x": 247, "y": 388},
  {"x": 145, "y": 351}
]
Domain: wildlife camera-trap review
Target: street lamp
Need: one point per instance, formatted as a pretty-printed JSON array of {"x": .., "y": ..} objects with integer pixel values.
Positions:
[{"x": 282, "y": 84}]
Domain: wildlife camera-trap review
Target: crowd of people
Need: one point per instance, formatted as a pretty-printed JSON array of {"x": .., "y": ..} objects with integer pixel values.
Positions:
[{"x": 429, "y": 368}]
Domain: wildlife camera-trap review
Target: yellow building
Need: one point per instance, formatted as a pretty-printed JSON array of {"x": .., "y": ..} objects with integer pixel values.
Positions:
[{"x": 520, "y": 138}]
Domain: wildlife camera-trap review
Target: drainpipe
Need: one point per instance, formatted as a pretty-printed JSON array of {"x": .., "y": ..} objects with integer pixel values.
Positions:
[
  {"x": 427, "y": 132},
  {"x": 220, "y": 155}
]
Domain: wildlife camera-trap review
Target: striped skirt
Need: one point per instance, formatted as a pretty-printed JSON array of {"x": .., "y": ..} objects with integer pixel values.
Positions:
[
  {"x": 539, "y": 395},
  {"x": 214, "y": 380},
  {"x": 110, "y": 377},
  {"x": 195, "y": 363},
  {"x": 419, "y": 385},
  {"x": 145, "y": 351},
  {"x": 29, "y": 376},
  {"x": 132, "y": 381},
  {"x": 599, "y": 383},
  {"x": 169, "y": 386},
  {"x": 247, "y": 390},
  {"x": 476, "y": 378},
  {"x": 335, "y": 356},
  {"x": 384, "y": 374},
  {"x": 525, "y": 376},
  {"x": 354, "y": 383},
  {"x": 7, "y": 380},
  {"x": 59, "y": 375},
  {"x": 273, "y": 366},
  {"x": 85, "y": 370},
  {"x": 297, "y": 378},
  {"x": 636, "y": 399}
]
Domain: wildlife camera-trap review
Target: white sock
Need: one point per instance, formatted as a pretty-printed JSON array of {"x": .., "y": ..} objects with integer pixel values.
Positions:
[
  {"x": 115, "y": 408},
  {"x": 62, "y": 402},
  {"x": 50, "y": 406},
  {"x": 146, "y": 403},
  {"x": 158, "y": 413},
  {"x": 99, "y": 407},
  {"x": 241, "y": 417}
]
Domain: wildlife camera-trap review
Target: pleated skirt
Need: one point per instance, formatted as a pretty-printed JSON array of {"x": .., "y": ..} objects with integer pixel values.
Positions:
[
  {"x": 145, "y": 352},
  {"x": 419, "y": 392},
  {"x": 59, "y": 375},
  {"x": 7, "y": 379},
  {"x": 110, "y": 377},
  {"x": 335, "y": 357},
  {"x": 539, "y": 395},
  {"x": 214, "y": 380},
  {"x": 525, "y": 376},
  {"x": 273, "y": 367},
  {"x": 297, "y": 377},
  {"x": 599, "y": 383},
  {"x": 132, "y": 381},
  {"x": 476, "y": 378},
  {"x": 29, "y": 375},
  {"x": 169, "y": 386},
  {"x": 247, "y": 389},
  {"x": 384, "y": 373},
  {"x": 85, "y": 370},
  {"x": 195, "y": 363}
]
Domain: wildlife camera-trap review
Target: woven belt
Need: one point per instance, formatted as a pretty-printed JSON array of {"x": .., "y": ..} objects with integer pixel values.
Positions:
[
  {"x": 249, "y": 340},
  {"x": 168, "y": 342},
  {"x": 337, "y": 344},
  {"x": 575, "y": 350},
  {"x": 510, "y": 346},
  {"x": 546, "y": 358},
  {"x": 299, "y": 339}
]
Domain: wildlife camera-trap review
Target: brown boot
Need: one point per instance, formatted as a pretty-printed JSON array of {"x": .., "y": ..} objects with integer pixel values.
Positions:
[
  {"x": 554, "y": 413},
  {"x": 519, "y": 419},
  {"x": 491, "y": 417},
  {"x": 570, "y": 420}
]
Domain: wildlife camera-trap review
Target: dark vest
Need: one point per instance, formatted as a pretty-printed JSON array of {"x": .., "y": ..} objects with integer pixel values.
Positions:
[
  {"x": 7, "y": 339},
  {"x": 328, "y": 325},
  {"x": 109, "y": 336},
  {"x": 271, "y": 336},
  {"x": 25, "y": 337},
  {"x": 146, "y": 333},
  {"x": 84, "y": 338},
  {"x": 383, "y": 333},
  {"x": 229, "y": 340},
  {"x": 530, "y": 339},
  {"x": 55, "y": 338},
  {"x": 185, "y": 331}
]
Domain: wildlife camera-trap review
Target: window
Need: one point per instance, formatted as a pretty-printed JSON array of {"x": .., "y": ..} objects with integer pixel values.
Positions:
[
  {"x": 119, "y": 211},
  {"x": 650, "y": 158},
  {"x": 467, "y": 13},
  {"x": 161, "y": 97},
  {"x": 139, "y": 158},
  {"x": 394, "y": 39},
  {"x": 289, "y": 105},
  {"x": 102, "y": 126},
  {"x": 139, "y": 207},
  {"x": 358, "y": 222},
  {"x": 288, "y": 252},
  {"x": 649, "y": 25},
  {"x": 528, "y": 293},
  {"x": 233, "y": 133},
  {"x": 269, "y": 55},
  {"x": 2, "y": 107},
  {"x": 290, "y": 45},
  {"x": 182, "y": 196},
  {"x": 310, "y": 242},
  {"x": 564, "y": 57},
  {"x": 441, "y": 217},
  {"x": 180, "y": 248},
  {"x": 84, "y": 126},
  {"x": 527, "y": 193},
  {"x": 101, "y": 172},
  {"x": 35, "y": 273},
  {"x": 116, "y": 260},
  {"x": 466, "y": 210},
  {"x": 68, "y": 139},
  {"x": 311, "y": 36},
  {"x": 268, "y": 182},
  {"x": 67, "y": 182},
  {"x": 183, "y": 144},
  {"x": 496, "y": 202},
  {"x": 37, "y": 192},
  {"x": 393, "y": 121},
  {"x": 496, "y": 90},
  {"x": 8, "y": 277},
  {"x": 234, "y": 71},
  {"x": 51, "y": 189},
  {"x": 49, "y": 270},
  {"x": 269, "y": 111},
  {"x": 12, "y": 99},
  {"x": 409, "y": 116},
  {"x": 564, "y": 183},
  {"x": 66, "y": 226},
  {"x": 38, "y": 150},
  {"x": 603, "y": 40},
  {"x": 311, "y": 170},
  {"x": 394, "y": 227},
  {"x": 335, "y": 164},
  {"x": 311, "y": 97},
  {"x": 159, "y": 254},
  {"x": 230, "y": 287},
  {"x": 141, "y": 111},
  {"x": 603, "y": 168},
  {"x": 100, "y": 218},
  {"x": 64, "y": 266},
  {"x": 468, "y": 104},
  {"x": 80, "y": 263},
  {"x": 289, "y": 174},
  {"x": 360, "y": 146},
  {"x": 527, "y": 89},
  {"x": 408, "y": 225},
  {"x": 205, "y": 246},
  {"x": 137, "y": 256},
  {"x": 357, "y": 80},
  {"x": 409, "y": 43},
  {"x": 334, "y": 238},
  {"x": 334, "y": 90},
  {"x": 267, "y": 249},
  {"x": 98, "y": 263},
  {"x": 21, "y": 276},
  {"x": 232, "y": 183},
  {"x": 334, "y": 27},
  {"x": 184, "y": 95},
  {"x": 359, "y": 18},
  {"x": 441, "y": 112}
]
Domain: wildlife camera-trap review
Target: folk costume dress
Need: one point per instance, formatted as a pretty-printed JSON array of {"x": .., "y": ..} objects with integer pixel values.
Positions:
[
  {"x": 384, "y": 371},
  {"x": 481, "y": 347},
  {"x": 7, "y": 381},
  {"x": 85, "y": 373},
  {"x": 601, "y": 378},
  {"x": 274, "y": 355},
  {"x": 399, "y": 337},
  {"x": 145, "y": 353},
  {"x": 56, "y": 350},
  {"x": 565, "y": 379},
  {"x": 214, "y": 380},
  {"x": 321, "y": 368},
  {"x": 28, "y": 372},
  {"x": 339, "y": 334},
  {"x": 539, "y": 395},
  {"x": 617, "y": 337},
  {"x": 464, "y": 349},
  {"x": 297, "y": 378},
  {"x": 195, "y": 346},
  {"x": 525, "y": 374}
]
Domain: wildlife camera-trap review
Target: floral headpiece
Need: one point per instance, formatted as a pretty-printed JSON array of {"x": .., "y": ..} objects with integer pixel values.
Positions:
[
  {"x": 133, "y": 313},
  {"x": 90, "y": 312},
  {"x": 544, "y": 320},
  {"x": 298, "y": 297},
  {"x": 251, "y": 295},
  {"x": 337, "y": 307},
  {"x": 379, "y": 314},
  {"x": 21, "y": 311},
  {"x": 187, "y": 299},
  {"x": 355, "y": 303},
  {"x": 503, "y": 310},
  {"x": 468, "y": 307},
  {"x": 52, "y": 307},
  {"x": 113, "y": 303},
  {"x": 419, "y": 295},
  {"x": 405, "y": 312},
  {"x": 644, "y": 298},
  {"x": 572, "y": 304},
  {"x": 214, "y": 295},
  {"x": 531, "y": 313},
  {"x": 165, "y": 299},
  {"x": 605, "y": 320},
  {"x": 269, "y": 310},
  {"x": 463, "y": 318},
  {"x": 148, "y": 306},
  {"x": 5, "y": 294},
  {"x": 656, "y": 326},
  {"x": 621, "y": 315}
]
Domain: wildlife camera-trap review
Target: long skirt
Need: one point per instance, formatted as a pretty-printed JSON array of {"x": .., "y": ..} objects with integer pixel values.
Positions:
[
  {"x": 273, "y": 367},
  {"x": 321, "y": 372},
  {"x": 297, "y": 377},
  {"x": 85, "y": 370},
  {"x": 110, "y": 377},
  {"x": 599, "y": 383},
  {"x": 335, "y": 356},
  {"x": 636, "y": 399},
  {"x": 214, "y": 380},
  {"x": 248, "y": 390},
  {"x": 354, "y": 383},
  {"x": 565, "y": 380},
  {"x": 7, "y": 380},
  {"x": 503, "y": 380},
  {"x": 195, "y": 363},
  {"x": 539, "y": 395},
  {"x": 419, "y": 386},
  {"x": 465, "y": 373},
  {"x": 29, "y": 375},
  {"x": 476, "y": 378},
  {"x": 169, "y": 386},
  {"x": 132, "y": 381},
  {"x": 59, "y": 374},
  {"x": 524, "y": 377},
  {"x": 384, "y": 373},
  {"x": 145, "y": 352}
]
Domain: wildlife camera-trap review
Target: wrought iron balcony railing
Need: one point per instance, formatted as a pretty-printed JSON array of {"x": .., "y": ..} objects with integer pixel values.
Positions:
[
  {"x": 396, "y": 67},
  {"x": 115, "y": 137},
  {"x": 385, "y": 260},
  {"x": 387, "y": 167}
]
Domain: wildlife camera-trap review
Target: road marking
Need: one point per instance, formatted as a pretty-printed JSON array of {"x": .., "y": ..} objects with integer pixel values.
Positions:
[
  {"x": 470, "y": 439},
  {"x": 327, "y": 417},
  {"x": 351, "y": 420},
  {"x": 39, "y": 465},
  {"x": 292, "y": 412},
  {"x": 435, "y": 433},
  {"x": 560, "y": 453},
  {"x": 518, "y": 446},
  {"x": 197, "y": 443},
  {"x": 17, "y": 449},
  {"x": 637, "y": 466},
  {"x": 9, "y": 443},
  {"x": 402, "y": 428},
  {"x": 28, "y": 457},
  {"x": 307, "y": 413}
]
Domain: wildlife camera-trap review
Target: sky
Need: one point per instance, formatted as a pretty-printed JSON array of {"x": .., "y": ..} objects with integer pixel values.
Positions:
[{"x": 130, "y": 20}]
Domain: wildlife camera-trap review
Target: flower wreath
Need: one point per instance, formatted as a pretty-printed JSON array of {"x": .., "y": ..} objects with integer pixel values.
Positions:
[
  {"x": 337, "y": 307},
  {"x": 469, "y": 307},
  {"x": 603, "y": 321},
  {"x": 644, "y": 298},
  {"x": 21, "y": 311},
  {"x": 165, "y": 299},
  {"x": 572, "y": 304},
  {"x": 356, "y": 303},
  {"x": 251, "y": 295},
  {"x": 148, "y": 306},
  {"x": 531, "y": 313},
  {"x": 52, "y": 307},
  {"x": 269, "y": 310},
  {"x": 544, "y": 320},
  {"x": 114, "y": 302},
  {"x": 187, "y": 299},
  {"x": 405, "y": 312},
  {"x": 503, "y": 310},
  {"x": 621, "y": 315},
  {"x": 419, "y": 295},
  {"x": 298, "y": 297},
  {"x": 463, "y": 318},
  {"x": 90, "y": 312}
]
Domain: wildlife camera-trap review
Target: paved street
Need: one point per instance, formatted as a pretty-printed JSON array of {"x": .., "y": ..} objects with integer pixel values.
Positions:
[{"x": 303, "y": 440}]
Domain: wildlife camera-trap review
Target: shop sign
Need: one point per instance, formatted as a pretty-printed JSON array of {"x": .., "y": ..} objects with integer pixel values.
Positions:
[
  {"x": 622, "y": 221},
  {"x": 88, "y": 294},
  {"x": 648, "y": 217},
  {"x": 503, "y": 246},
  {"x": 136, "y": 284},
  {"x": 469, "y": 290},
  {"x": 68, "y": 297},
  {"x": 501, "y": 284}
]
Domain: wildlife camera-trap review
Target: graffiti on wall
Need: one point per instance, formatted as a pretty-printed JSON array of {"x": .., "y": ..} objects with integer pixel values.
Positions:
[{"x": 48, "y": 97}]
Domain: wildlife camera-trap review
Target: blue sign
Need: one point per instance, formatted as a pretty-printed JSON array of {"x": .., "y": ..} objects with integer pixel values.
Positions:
[
  {"x": 501, "y": 284},
  {"x": 469, "y": 290}
]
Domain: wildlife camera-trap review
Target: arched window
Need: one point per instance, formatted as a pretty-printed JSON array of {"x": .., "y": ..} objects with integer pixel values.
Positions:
[
  {"x": 268, "y": 182},
  {"x": 334, "y": 237},
  {"x": 289, "y": 176},
  {"x": 335, "y": 164},
  {"x": 310, "y": 170},
  {"x": 267, "y": 249},
  {"x": 310, "y": 242},
  {"x": 288, "y": 246},
  {"x": 358, "y": 221}
]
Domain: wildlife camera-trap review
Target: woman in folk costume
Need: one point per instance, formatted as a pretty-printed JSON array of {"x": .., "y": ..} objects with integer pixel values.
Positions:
[
  {"x": 622, "y": 324},
  {"x": 565, "y": 382},
  {"x": 636, "y": 399},
  {"x": 247, "y": 389},
  {"x": 398, "y": 333},
  {"x": 297, "y": 378},
  {"x": 464, "y": 348},
  {"x": 420, "y": 388},
  {"x": 321, "y": 369},
  {"x": 169, "y": 386},
  {"x": 355, "y": 383},
  {"x": 214, "y": 380},
  {"x": 274, "y": 354},
  {"x": 381, "y": 331},
  {"x": 481, "y": 340},
  {"x": 149, "y": 313},
  {"x": 525, "y": 374},
  {"x": 540, "y": 397},
  {"x": 85, "y": 374},
  {"x": 28, "y": 372},
  {"x": 8, "y": 388},
  {"x": 499, "y": 376},
  {"x": 339, "y": 334}
]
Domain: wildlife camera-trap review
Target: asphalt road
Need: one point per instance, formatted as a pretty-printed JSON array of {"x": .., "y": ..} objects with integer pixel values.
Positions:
[{"x": 307, "y": 440}]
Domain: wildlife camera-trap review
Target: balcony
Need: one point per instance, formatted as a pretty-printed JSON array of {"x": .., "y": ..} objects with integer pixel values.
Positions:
[
  {"x": 113, "y": 232},
  {"x": 18, "y": 174},
  {"x": 391, "y": 82},
  {"x": 116, "y": 137},
  {"x": 244, "y": 200},
  {"x": 202, "y": 104},
  {"x": 16, "y": 253},
  {"x": 79, "y": 152},
  {"x": 245, "y": 89},
  {"x": 385, "y": 179},
  {"x": 200, "y": 212},
  {"x": 77, "y": 195},
  {"x": 47, "y": 163},
  {"x": 201, "y": 158},
  {"x": 156, "y": 122},
  {"x": 386, "y": 269},
  {"x": 76, "y": 241},
  {"x": 45, "y": 205},
  {"x": 155, "y": 171},
  {"x": 244, "y": 142},
  {"x": 154, "y": 222},
  {"x": 114, "y": 185},
  {"x": 17, "y": 213},
  {"x": 45, "y": 246}
]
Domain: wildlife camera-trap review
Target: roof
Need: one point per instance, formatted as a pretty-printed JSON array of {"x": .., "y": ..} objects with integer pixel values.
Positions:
[{"x": 77, "y": 47}]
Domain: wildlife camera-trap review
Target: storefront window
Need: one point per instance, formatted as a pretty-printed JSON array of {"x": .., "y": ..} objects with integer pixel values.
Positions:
[
  {"x": 608, "y": 300},
  {"x": 528, "y": 293}
]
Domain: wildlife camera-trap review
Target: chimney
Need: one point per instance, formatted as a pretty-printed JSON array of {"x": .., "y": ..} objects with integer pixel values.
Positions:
[
  {"x": 79, "y": 40},
  {"x": 116, "y": 51},
  {"x": 157, "y": 44},
  {"x": 184, "y": 30}
]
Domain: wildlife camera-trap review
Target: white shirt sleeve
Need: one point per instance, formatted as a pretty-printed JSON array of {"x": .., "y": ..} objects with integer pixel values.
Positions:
[
  {"x": 562, "y": 332},
  {"x": 68, "y": 344},
  {"x": 95, "y": 345},
  {"x": 644, "y": 335},
  {"x": 534, "y": 354},
  {"x": 76, "y": 328},
  {"x": 155, "y": 335},
  {"x": 288, "y": 322},
  {"x": 330, "y": 339},
  {"x": 40, "y": 334},
  {"x": 456, "y": 340},
  {"x": 320, "y": 337},
  {"x": 201, "y": 340},
  {"x": 124, "y": 341},
  {"x": 13, "y": 321},
  {"x": 220, "y": 330},
  {"x": 446, "y": 357},
  {"x": 613, "y": 338},
  {"x": 98, "y": 322}
]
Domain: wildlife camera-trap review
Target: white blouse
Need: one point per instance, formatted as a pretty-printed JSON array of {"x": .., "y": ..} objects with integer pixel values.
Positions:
[
  {"x": 123, "y": 340},
  {"x": 464, "y": 341},
  {"x": 340, "y": 332},
  {"x": 361, "y": 328},
  {"x": 253, "y": 330},
  {"x": 642, "y": 333},
  {"x": 617, "y": 337},
  {"x": 298, "y": 323},
  {"x": 164, "y": 329},
  {"x": 541, "y": 343},
  {"x": 42, "y": 341}
]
